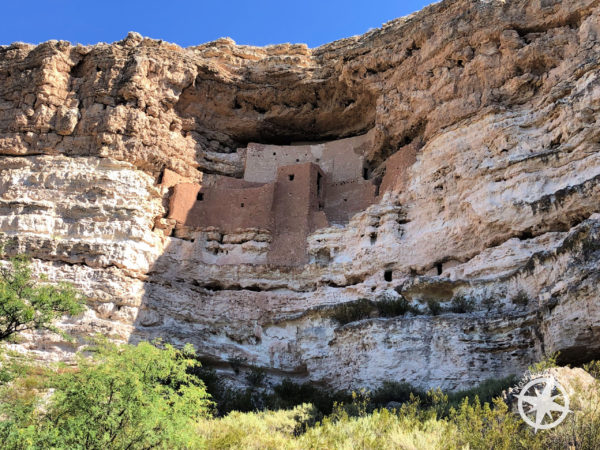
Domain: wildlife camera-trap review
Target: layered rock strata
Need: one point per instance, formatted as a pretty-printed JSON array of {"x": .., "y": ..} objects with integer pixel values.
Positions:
[{"x": 483, "y": 145}]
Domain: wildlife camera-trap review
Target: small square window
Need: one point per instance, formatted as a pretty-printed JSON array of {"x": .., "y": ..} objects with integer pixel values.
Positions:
[
  {"x": 200, "y": 196},
  {"x": 291, "y": 177},
  {"x": 242, "y": 205}
]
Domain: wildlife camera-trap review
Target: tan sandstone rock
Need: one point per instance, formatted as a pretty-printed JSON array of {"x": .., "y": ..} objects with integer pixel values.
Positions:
[{"x": 481, "y": 181}]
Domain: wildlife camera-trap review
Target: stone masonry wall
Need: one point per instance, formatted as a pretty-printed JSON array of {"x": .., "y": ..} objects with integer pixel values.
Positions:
[{"x": 340, "y": 160}]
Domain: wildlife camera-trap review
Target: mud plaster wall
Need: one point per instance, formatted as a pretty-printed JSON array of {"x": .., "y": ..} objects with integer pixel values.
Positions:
[
  {"x": 340, "y": 160},
  {"x": 231, "y": 209},
  {"x": 295, "y": 202},
  {"x": 343, "y": 200},
  {"x": 182, "y": 201},
  {"x": 396, "y": 168},
  {"x": 222, "y": 182},
  {"x": 170, "y": 179}
]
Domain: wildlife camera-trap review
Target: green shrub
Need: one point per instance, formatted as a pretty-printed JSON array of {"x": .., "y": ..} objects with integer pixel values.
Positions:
[
  {"x": 353, "y": 311},
  {"x": 491, "y": 426},
  {"x": 243, "y": 400},
  {"x": 393, "y": 307},
  {"x": 393, "y": 391},
  {"x": 229, "y": 399},
  {"x": 461, "y": 304},
  {"x": 255, "y": 377},
  {"x": 285, "y": 395},
  {"x": 434, "y": 306},
  {"x": 123, "y": 397},
  {"x": 485, "y": 391},
  {"x": 289, "y": 394},
  {"x": 581, "y": 428},
  {"x": 431, "y": 420},
  {"x": 255, "y": 430},
  {"x": 364, "y": 308},
  {"x": 402, "y": 392},
  {"x": 382, "y": 429},
  {"x": 414, "y": 425},
  {"x": 29, "y": 305},
  {"x": 547, "y": 362},
  {"x": 593, "y": 368}
]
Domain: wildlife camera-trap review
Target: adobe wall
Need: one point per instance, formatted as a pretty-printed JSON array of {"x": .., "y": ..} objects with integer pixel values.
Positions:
[
  {"x": 230, "y": 209},
  {"x": 294, "y": 204},
  {"x": 340, "y": 160},
  {"x": 170, "y": 179},
  {"x": 318, "y": 219},
  {"x": 343, "y": 200},
  {"x": 182, "y": 201},
  {"x": 396, "y": 168},
  {"x": 221, "y": 182}
]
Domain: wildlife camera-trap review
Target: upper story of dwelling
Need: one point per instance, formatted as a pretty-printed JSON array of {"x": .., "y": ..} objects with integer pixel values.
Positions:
[{"x": 341, "y": 161}]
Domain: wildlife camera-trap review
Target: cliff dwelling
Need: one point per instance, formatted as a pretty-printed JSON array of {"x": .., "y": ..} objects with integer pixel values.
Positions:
[
  {"x": 433, "y": 216},
  {"x": 286, "y": 193}
]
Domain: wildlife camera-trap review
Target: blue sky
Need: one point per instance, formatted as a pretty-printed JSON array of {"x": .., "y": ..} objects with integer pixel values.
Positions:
[{"x": 186, "y": 23}]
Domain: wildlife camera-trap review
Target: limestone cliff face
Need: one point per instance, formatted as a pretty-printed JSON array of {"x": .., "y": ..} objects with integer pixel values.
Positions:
[{"x": 484, "y": 149}]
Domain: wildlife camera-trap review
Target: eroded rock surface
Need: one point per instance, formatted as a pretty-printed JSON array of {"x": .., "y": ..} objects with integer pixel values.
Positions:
[{"x": 483, "y": 149}]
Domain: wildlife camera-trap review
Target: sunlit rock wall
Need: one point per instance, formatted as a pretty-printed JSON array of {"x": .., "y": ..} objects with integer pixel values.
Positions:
[{"x": 488, "y": 110}]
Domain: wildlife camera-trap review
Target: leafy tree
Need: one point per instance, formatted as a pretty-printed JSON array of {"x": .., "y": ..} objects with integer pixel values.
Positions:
[
  {"x": 122, "y": 397},
  {"x": 27, "y": 305}
]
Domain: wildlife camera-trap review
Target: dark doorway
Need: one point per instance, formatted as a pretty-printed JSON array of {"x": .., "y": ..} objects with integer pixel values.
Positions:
[{"x": 319, "y": 183}]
